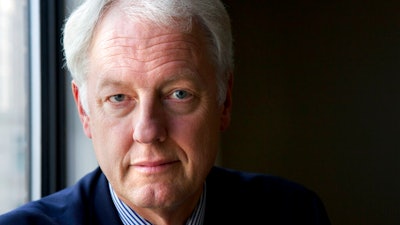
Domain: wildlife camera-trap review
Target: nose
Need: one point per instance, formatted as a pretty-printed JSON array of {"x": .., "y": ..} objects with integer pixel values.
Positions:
[{"x": 149, "y": 123}]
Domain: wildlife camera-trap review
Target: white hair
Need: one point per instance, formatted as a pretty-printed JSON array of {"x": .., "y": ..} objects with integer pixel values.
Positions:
[{"x": 210, "y": 14}]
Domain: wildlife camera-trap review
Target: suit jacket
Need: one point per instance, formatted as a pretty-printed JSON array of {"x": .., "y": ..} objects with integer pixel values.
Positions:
[{"x": 233, "y": 197}]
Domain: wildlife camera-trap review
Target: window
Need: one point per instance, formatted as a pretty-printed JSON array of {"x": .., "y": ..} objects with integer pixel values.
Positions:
[
  {"x": 14, "y": 104},
  {"x": 42, "y": 145}
]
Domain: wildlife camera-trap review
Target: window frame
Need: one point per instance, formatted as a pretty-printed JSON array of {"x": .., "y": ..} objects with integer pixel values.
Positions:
[{"x": 48, "y": 99}]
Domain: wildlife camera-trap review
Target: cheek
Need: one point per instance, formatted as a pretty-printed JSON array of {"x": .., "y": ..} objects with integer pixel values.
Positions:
[
  {"x": 197, "y": 136},
  {"x": 111, "y": 139}
]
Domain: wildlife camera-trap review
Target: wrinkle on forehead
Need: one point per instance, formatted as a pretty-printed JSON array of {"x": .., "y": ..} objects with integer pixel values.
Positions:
[
  {"x": 119, "y": 47},
  {"x": 117, "y": 30},
  {"x": 138, "y": 47},
  {"x": 141, "y": 42},
  {"x": 117, "y": 53},
  {"x": 118, "y": 14}
]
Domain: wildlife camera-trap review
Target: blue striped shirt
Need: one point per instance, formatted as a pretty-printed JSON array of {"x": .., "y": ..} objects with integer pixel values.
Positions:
[{"x": 130, "y": 217}]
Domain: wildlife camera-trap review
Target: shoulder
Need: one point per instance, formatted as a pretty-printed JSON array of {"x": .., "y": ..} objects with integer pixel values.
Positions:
[
  {"x": 256, "y": 196},
  {"x": 68, "y": 203},
  {"x": 240, "y": 181}
]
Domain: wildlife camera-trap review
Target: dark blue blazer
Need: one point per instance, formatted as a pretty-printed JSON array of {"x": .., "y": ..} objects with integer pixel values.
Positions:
[{"x": 233, "y": 197}]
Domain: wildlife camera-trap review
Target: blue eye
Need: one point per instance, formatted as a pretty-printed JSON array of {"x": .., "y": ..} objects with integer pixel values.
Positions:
[
  {"x": 180, "y": 94},
  {"x": 117, "y": 98}
]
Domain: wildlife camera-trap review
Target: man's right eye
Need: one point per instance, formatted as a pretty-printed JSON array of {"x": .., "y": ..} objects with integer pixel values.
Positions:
[{"x": 117, "y": 98}]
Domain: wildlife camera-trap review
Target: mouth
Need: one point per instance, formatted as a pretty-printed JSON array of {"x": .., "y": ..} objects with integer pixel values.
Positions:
[{"x": 153, "y": 167}]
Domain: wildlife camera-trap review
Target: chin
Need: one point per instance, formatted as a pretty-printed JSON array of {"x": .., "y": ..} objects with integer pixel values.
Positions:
[{"x": 156, "y": 196}]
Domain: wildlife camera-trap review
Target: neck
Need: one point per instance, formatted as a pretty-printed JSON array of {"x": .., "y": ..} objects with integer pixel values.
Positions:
[{"x": 176, "y": 215}]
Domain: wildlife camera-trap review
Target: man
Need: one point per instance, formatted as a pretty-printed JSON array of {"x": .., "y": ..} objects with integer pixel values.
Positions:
[{"x": 152, "y": 81}]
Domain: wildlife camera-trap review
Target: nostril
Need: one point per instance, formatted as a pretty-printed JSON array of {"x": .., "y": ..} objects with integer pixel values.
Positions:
[{"x": 161, "y": 139}]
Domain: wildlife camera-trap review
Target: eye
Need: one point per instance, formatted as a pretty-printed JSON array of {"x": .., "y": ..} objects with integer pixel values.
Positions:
[
  {"x": 181, "y": 101},
  {"x": 117, "y": 98},
  {"x": 180, "y": 94}
]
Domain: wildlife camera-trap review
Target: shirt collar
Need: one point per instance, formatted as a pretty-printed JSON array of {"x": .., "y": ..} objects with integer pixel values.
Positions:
[{"x": 130, "y": 217}]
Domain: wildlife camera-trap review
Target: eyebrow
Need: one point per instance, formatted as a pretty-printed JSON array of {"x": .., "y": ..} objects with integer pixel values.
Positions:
[
  {"x": 183, "y": 75},
  {"x": 109, "y": 82}
]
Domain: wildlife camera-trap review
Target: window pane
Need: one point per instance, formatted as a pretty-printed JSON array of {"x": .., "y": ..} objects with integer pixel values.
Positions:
[{"x": 13, "y": 104}]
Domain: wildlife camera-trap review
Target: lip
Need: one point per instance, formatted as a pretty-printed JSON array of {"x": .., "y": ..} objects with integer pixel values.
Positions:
[{"x": 151, "y": 167}]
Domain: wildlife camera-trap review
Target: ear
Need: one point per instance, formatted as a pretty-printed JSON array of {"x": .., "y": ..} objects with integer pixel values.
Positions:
[
  {"x": 84, "y": 117},
  {"x": 227, "y": 106}
]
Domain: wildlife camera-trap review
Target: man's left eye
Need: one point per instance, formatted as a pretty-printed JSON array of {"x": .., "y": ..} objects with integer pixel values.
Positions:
[
  {"x": 180, "y": 94},
  {"x": 117, "y": 98}
]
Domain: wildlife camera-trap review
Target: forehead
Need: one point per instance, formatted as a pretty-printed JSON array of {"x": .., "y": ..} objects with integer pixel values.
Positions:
[
  {"x": 119, "y": 31},
  {"x": 117, "y": 23},
  {"x": 123, "y": 46}
]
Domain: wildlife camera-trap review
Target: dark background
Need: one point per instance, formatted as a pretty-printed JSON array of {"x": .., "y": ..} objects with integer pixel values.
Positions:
[{"x": 317, "y": 100}]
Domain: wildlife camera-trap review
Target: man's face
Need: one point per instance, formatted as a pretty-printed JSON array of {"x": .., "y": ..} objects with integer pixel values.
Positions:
[{"x": 154, "y": 117}]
